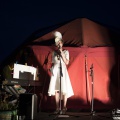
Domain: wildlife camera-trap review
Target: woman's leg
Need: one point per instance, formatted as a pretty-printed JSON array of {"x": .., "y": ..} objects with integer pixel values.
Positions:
[
  {"x": 57, "y": 102},
  {"x": 64, "y": 104},
  {"x": 64, "y": 101},
  {"x": 57, "y": 99}
]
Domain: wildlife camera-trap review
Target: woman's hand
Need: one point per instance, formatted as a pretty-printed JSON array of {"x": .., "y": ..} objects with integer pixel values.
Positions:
[{"x": 66, "y": 61}]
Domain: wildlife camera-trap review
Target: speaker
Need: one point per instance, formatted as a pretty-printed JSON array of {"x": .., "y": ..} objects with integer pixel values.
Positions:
[{"x": 27, "y": 106}]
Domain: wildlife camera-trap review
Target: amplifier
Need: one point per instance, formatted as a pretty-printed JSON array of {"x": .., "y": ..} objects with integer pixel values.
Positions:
[{"x": 27, "y": 106}]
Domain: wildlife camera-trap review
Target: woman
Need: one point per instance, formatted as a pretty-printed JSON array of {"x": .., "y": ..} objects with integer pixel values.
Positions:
[{"x": 60, "y": 58}]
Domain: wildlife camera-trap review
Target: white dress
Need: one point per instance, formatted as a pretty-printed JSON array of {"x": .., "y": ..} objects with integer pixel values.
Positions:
[{"x": 66, "y": 88}]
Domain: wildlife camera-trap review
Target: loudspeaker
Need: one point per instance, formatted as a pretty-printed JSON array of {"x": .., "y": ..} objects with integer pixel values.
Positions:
[{"x": 27, "y": 106}]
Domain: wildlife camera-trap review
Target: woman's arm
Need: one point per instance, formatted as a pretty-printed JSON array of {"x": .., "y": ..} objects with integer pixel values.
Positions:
[{"x": 66, "y": 61}]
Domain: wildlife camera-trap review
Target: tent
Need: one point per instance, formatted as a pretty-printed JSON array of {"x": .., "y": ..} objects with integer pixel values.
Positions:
[
  {"x": 90, "y": 45},
  {"x": 81, "y": 32}
]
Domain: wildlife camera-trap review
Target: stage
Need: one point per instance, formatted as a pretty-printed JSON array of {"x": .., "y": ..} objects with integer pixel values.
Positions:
[{"x": 106, "y": 115}]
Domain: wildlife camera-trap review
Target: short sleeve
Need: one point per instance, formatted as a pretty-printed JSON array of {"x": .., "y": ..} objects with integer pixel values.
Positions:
[{"x": 67, "y": 54}]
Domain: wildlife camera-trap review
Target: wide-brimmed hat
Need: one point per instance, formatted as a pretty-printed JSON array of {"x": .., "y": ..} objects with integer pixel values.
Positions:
[{"x": 58, "y": 37}]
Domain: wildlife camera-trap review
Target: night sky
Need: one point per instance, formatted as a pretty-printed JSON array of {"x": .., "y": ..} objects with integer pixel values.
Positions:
[{"x": 20, "y": 18}]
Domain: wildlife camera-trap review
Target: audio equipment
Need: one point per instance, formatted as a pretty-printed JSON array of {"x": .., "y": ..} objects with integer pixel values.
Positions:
[{"x": 27, "y": 106}]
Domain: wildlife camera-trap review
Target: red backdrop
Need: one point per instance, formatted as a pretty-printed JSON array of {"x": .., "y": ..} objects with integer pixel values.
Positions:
[{"x": 105, "y": 76}]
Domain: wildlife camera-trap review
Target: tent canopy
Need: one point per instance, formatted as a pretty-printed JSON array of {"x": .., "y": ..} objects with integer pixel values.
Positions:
[
  {"x": 79, "y": 32},
  {"x": 76, "y": 33}
]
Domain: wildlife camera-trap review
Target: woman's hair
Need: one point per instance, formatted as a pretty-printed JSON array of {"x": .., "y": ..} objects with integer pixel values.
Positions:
[{"x": 58, "y": 37}]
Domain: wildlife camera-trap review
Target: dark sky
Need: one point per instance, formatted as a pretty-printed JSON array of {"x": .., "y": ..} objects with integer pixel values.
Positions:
[{"x": 20, "y": 18}]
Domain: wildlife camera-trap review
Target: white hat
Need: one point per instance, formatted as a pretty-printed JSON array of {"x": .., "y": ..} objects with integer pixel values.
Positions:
[{"x": 58, "y": 37}]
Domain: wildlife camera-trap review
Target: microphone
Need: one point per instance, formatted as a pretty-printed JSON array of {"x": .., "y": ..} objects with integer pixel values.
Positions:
[
  {"x": 58, "y": 57},
  {"x": 59, "y": 47},
  {"x": 58, "y": 52}
]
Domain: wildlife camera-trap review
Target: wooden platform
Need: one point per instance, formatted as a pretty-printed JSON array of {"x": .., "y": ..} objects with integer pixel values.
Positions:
[{"x": 76, "y": 116}]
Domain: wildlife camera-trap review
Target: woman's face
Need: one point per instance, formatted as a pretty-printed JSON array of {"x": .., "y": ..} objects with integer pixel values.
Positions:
[{"x": 60, "y": 44}]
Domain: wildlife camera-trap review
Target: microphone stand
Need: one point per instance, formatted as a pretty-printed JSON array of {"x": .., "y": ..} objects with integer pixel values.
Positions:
[
  {"x": 92, "y": 99},
  {"x": 92, "y": 114},
  {"x": 92, "y": 82},
  {"x": 42, "y": 92},
  {"x": 60, "y": 115},
  {"x": 61, "y": 75}
]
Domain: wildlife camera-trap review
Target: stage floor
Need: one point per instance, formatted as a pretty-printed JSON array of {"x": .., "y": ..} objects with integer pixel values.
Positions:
[{"x": 75, "y": 116}]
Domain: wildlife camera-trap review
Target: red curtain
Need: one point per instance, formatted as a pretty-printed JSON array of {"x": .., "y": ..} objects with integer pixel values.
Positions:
[{"x": 89, "y": 67}]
